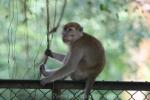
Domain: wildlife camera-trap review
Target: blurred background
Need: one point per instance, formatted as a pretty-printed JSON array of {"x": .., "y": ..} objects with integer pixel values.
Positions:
[{"x": 121, "y": 25}]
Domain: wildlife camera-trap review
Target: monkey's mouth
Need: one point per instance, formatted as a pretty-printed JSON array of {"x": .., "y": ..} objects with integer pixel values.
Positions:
[{"x": 66, "y": 40}]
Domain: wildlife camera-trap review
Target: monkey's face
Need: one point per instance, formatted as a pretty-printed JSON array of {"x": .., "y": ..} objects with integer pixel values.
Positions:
[{"x": 71, "y": 32}]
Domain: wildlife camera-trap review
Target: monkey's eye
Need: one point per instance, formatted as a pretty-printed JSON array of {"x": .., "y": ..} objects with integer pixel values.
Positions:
[{"x": 69, "y": 29}]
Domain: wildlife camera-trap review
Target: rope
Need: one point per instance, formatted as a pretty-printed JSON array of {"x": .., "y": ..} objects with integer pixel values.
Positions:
[
  {"x": 47, "y": 10},
  {"x": 54, "y": 29}
]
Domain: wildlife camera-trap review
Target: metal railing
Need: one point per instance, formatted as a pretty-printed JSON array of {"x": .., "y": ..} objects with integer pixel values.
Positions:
[{"x": 73, "y": 90}]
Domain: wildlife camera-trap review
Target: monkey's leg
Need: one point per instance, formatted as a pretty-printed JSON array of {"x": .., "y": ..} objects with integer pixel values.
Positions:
[
  {"x": 50, "y": 72},
  {"x": 88, "y": 87},
  {"x": 47, "y": 72}
]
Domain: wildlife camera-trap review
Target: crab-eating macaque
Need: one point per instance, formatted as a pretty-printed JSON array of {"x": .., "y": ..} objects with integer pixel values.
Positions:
[{"x": 84, "y": 61}]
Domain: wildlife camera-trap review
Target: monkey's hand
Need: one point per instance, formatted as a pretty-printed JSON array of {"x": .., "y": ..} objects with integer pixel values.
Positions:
[
  {"x": 49, "y": 53},
  {"x": 43, "y": 82}
]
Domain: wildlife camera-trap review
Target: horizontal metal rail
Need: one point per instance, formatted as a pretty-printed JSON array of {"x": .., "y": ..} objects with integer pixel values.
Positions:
[{"x": 67, "y": 84}]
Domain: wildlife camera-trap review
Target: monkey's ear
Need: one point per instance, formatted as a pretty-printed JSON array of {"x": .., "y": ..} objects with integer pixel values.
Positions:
[{"x": 81, "y": 29}]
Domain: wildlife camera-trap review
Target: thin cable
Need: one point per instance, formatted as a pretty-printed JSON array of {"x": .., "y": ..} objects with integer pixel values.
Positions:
[
  {"x": 12, "y": 42},
  {"x": 26, "y": 37},
  {"x": 10, "y": 35},
  {"x": 55, "y": 13},
  {"x": 60, "y": 18},
  {"x": 38, "y": 51},
  {"x": 14, "y": 46},
  {"x": 62, "y": 13},
  {"x": 47, "y": 11},
  {"x": 59, "y": 21},
  {"x": 26, "y": 32},
  {"x": 54, "y": 28}
]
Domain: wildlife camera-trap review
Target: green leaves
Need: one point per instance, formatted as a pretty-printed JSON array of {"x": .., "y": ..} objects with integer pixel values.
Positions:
[{"x": 104, "y": 8}]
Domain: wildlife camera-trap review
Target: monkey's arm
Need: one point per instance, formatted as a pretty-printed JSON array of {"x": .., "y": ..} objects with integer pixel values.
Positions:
[
  {"x": 58, "y": 56},
  {"x": 68, "y": 68},
  {"x": 45, "y": 72}
]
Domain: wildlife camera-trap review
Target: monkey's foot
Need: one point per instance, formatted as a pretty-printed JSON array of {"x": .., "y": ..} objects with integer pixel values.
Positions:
[{"x": 43, "y": 82}]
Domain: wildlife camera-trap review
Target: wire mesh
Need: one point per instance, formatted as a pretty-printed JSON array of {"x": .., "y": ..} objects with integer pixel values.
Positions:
[
  {"x": 70, "y": 94},
  {"x": 25, "y": 94},
  {"x": 68, "y": 90}
]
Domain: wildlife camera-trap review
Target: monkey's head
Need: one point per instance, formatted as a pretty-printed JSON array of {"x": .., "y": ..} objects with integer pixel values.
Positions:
[{"x": 71, "y": 32}]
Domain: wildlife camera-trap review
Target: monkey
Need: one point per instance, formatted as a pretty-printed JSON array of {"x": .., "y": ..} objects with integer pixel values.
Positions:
[{"x": 84, "y": 61}]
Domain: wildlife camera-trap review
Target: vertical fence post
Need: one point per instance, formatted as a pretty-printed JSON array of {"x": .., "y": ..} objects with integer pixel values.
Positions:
[{"x": 56, "y": 93}]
